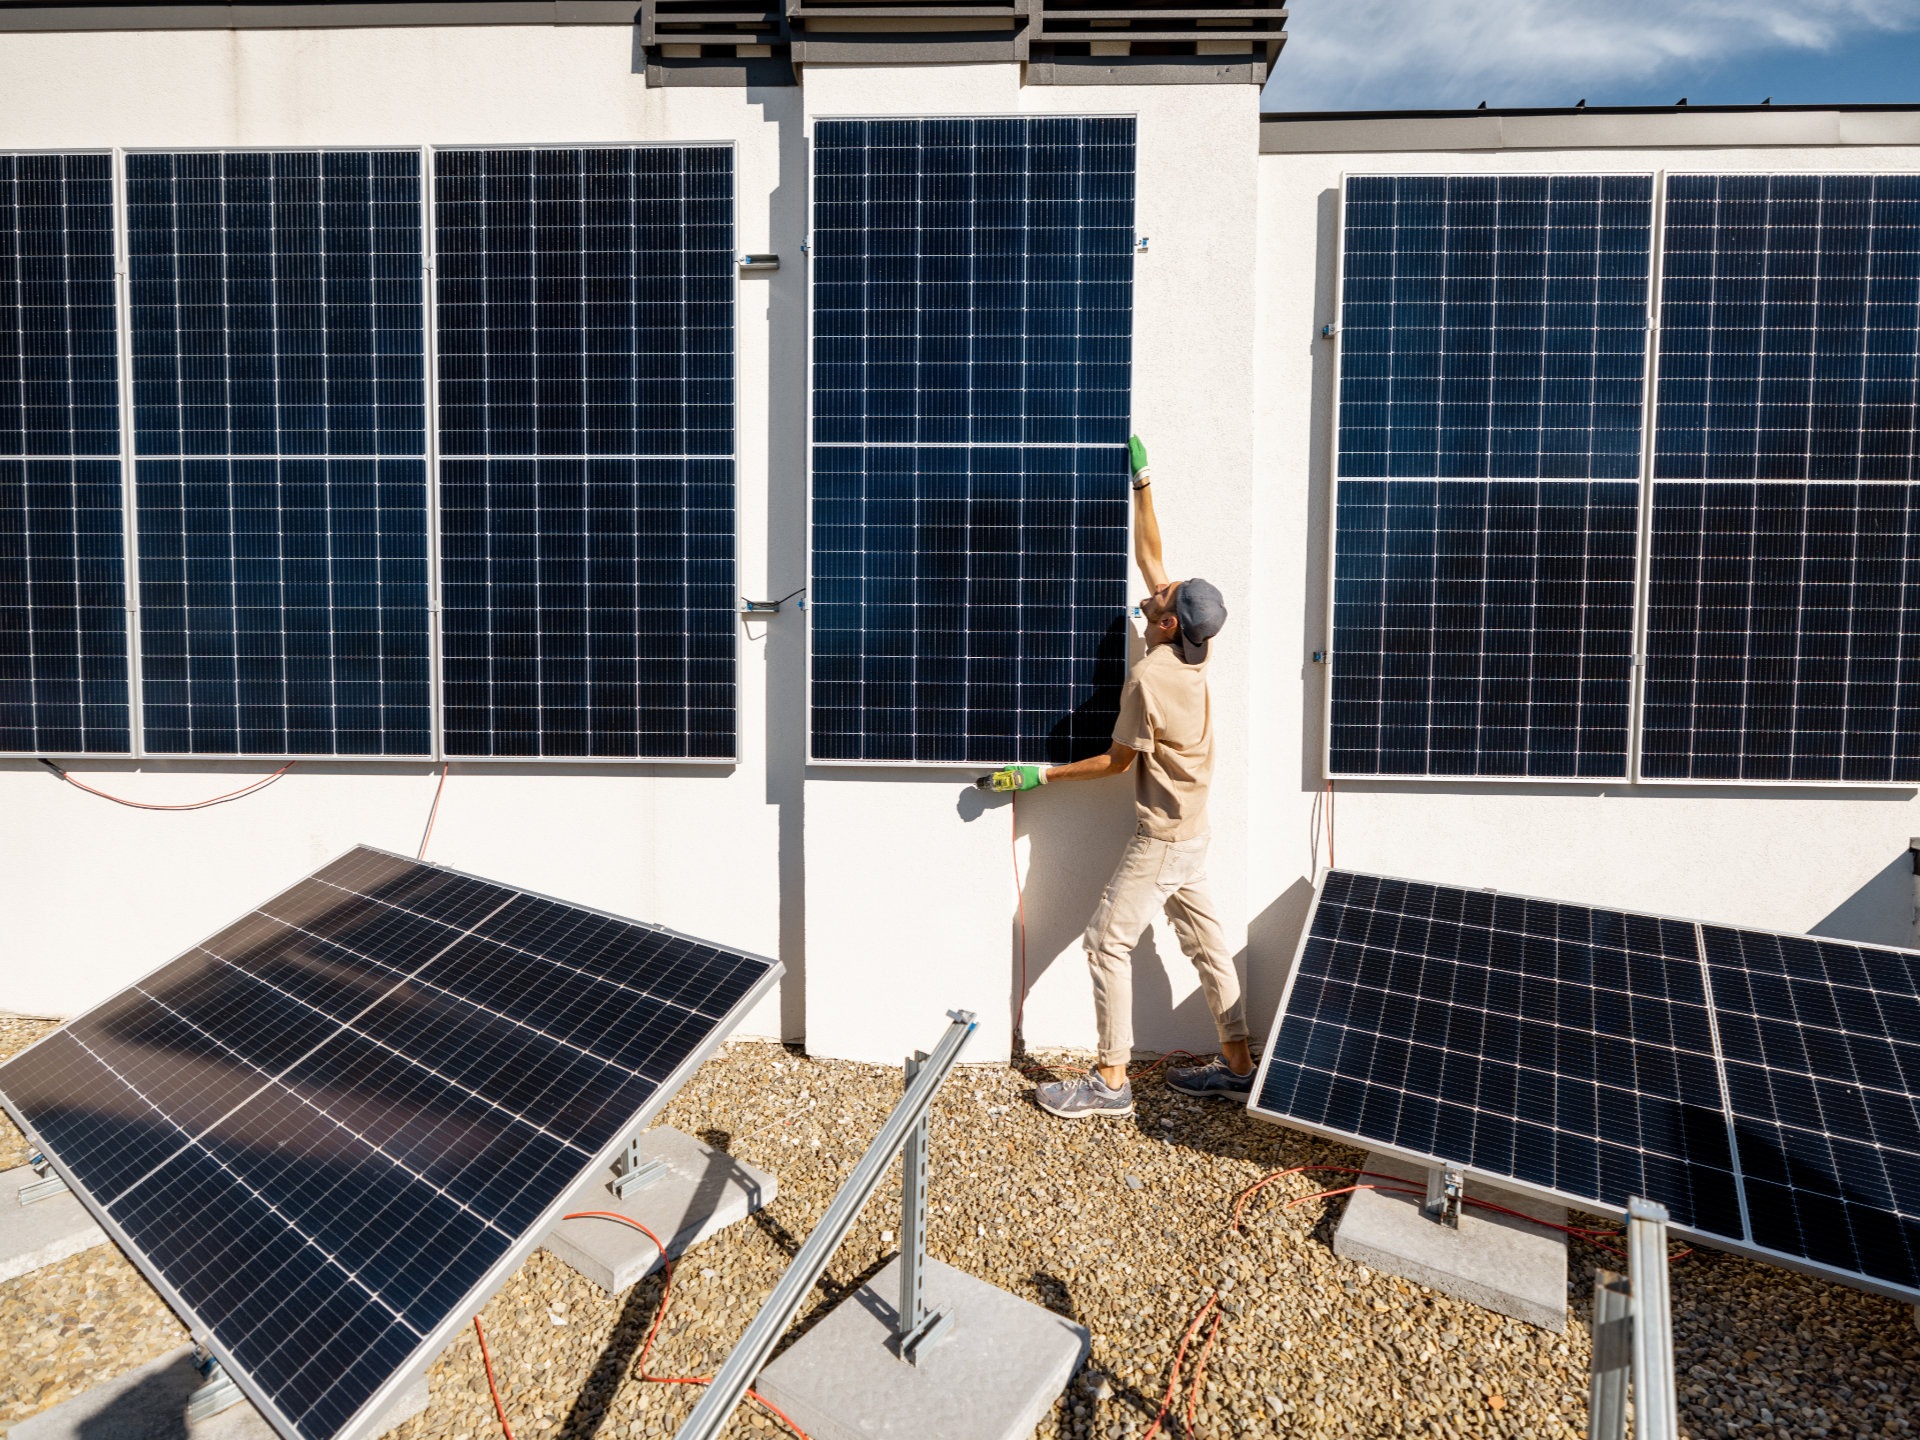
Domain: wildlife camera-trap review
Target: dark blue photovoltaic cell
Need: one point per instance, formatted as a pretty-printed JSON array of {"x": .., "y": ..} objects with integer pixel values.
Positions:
[
  {"x": 331, "y": 1122},
  {"x": 1494, "y": 326},
  {"x": 973, "y": 317},
  {"x": 968, "y": 604},
  {"x": 280, "y": 425},
  {"x": 284, "y": 606},
  {"x": 1560, "y": 1045},
  {"x": 1783, "y": 633},
  {"x": 1790, "y": 328},
  {"x": 973, "y": 280},
  {"x": 1492, "y": 356},
  {"x": 585, "y": 316},
  {"x": 63, "y": 619},
  {"x": 1821, "y": 1043},
  {"x": 1483, "y": 628},
  {"x": 63, "y": 615}
]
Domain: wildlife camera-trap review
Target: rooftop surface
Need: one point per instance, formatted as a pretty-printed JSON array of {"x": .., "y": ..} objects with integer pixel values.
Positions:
[{"x": 1124, "y": 1225}]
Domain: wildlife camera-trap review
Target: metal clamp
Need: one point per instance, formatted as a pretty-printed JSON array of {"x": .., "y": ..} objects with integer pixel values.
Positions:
[
  {"x": 46, "y": 1187},
  {"x": 634, "y": 1171},
  {"x": 1446, "y": 1188},
  {"x": 759, "y": 262},
  {"x": 217, "y": 1393}
]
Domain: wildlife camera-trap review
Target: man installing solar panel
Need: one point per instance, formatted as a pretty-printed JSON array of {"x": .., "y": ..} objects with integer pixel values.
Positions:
[{"x": 1164, "y": 735}]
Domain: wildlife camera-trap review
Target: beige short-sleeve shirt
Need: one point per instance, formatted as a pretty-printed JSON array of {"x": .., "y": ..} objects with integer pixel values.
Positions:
[{"x": 1166, "y": 716}]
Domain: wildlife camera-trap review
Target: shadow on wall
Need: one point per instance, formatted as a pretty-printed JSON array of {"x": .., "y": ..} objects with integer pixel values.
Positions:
[{"x": 1880, "y": 912}]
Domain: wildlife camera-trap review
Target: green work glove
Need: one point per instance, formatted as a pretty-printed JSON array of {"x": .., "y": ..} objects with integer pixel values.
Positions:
[
  {"x": 1019, "y": 777},
  {"x": 1137, "y": 458}
]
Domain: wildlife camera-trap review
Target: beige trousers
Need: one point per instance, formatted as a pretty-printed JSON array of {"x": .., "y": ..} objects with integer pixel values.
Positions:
[{"x": 1152, "y": 874}]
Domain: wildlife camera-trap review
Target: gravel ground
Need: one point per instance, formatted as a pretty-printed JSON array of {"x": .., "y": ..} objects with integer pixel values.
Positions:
[{"x": 1122, "y": 1225}]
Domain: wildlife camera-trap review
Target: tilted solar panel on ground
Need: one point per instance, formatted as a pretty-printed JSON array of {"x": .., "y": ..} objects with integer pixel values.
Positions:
[
  {"x": 1784, "y": 574},
  {"x": 585, "y": 316},
  {"x": 328, "y": 1132},
  {"x": 1579, "y": 1052},
  {"x": 279, "y": 410},
  {"x": 63, "y": 603},
  {"x": 1492, "y": 359},
  {"x": 973, "y": 315}
]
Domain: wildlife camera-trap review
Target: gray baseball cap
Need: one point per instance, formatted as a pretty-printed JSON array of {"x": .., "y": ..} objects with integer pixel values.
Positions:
[{"x": 1201, "y": 612}]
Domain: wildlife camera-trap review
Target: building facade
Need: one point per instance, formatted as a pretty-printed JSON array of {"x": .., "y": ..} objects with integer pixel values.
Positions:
[{"x": 889, "y": 888}]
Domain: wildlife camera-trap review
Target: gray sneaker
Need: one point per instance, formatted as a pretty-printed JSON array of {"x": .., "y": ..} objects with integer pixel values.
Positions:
[
  {"x": 1213, "y": 1078},
  {"x": 1082, "y": 1096}
]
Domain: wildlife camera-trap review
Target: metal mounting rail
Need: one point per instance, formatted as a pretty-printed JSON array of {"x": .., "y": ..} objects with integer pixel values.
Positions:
[
  {"x": 723, "y": 1394},
  {"x": 1633, "y": 1334}
]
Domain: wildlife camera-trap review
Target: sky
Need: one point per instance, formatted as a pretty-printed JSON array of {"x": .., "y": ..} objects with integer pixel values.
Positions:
[{"x": 1452, "y": 54}]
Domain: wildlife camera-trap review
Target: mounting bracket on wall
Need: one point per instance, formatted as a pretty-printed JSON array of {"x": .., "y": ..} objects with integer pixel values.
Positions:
[
  {"x": 759, "y": 262},
  {"x": 770, "y": 607}
]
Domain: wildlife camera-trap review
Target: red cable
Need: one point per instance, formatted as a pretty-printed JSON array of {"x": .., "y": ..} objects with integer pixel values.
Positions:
[
  {"x": 241, "y": 793},
  {"x": 1173, "y": 1381},
  {"x": 492, "y": 1389},
  {"x": 435, "y": 811},
  {"x": 653, "y": 1330},
  {"x": 1200, "y": 1370}
]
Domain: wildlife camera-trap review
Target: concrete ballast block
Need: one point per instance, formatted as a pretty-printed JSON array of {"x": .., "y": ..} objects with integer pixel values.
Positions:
[
  {"x": 1499, "y": 1262},
  {"x": 702, "y": 1191},
  {"x": 36, "y": 1235},
  {"x": 150, "y": 1403},
  {"x": 992, "y": 1378}
]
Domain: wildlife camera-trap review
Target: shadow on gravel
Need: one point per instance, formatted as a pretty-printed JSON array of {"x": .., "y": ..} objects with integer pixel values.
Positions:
[{"x": 615, "y": 1363}]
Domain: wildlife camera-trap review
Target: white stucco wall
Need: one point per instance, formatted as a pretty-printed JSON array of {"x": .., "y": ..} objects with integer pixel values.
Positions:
[
  {"x": 890, "y": 893},
  {"x": 910, "y": 880},
  {"x": 1832, "y": 860},
  {"x": 91, "y": 894}
]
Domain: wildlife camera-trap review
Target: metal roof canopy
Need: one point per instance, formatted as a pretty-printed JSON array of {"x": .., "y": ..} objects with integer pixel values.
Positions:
[{"x": 1591, "y": 127}]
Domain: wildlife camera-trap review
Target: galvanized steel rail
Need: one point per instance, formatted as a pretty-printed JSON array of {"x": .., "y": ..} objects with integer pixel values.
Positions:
[{"x": 718, "y": 1403}]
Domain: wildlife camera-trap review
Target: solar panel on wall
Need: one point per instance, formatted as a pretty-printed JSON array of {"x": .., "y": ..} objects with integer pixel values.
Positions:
[
  {"x": 1782, "y": 643},
  {"x": 280, "y": 437},
  {"x": 973, "y": 307},
  {"x": 585, "y": 326},
  {"x": 63, "y": 616},
  {"x": 327, "y": 1133},
  {"x": 1492, "y": 360},
  {"x": 1761, "y": 1086}
]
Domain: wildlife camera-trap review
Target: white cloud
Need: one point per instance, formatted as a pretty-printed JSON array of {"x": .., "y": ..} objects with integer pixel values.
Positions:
[{"x": 1348, "y": 54}]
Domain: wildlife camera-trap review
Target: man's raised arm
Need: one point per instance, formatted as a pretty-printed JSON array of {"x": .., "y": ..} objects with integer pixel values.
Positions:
[{"x": 1146, "y": 526}]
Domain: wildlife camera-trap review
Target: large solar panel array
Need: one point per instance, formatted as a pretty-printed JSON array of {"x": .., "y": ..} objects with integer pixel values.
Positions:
[
  {"x": 63, "y": 616},
  {"x": 585, "y": 315},
  {"x": 1763, "y": 1087},
  {"x": 1492, "y": 358},
  {"x": 279, "y": 409},
  {"x": 1783, "y": 624},
  {"x": 973, "y": 312},
  {"x": 328, "y": 1132}
]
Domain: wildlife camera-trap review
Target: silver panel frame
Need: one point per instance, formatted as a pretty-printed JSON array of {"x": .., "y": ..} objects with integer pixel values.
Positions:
[
  {"x": 1586, "y": 1204},
  {"x": 130, "y": 445},
  {"x": 1649, "y": 355},
  {"x": 1639, "y": 777},
  {"x": 627, "y": 763},
  {"x": 933, "y": 767},
  {"x": 124, "y": 403},
  {"x": 359, "y": 1427}
]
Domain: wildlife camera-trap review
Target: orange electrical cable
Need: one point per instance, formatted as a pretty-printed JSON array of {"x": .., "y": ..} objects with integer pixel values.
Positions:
[
  {"x": 653, "y": 1330},
  {"x": 492, "y": 1389},
  {"x": 1173, "y": 1381},
  {"x": 245, "y": 790},
  {"x": 1200, "y": 1369}
]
